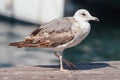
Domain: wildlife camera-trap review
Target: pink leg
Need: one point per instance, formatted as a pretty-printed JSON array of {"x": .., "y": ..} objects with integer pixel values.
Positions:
[{"x": 68, "y": 63}]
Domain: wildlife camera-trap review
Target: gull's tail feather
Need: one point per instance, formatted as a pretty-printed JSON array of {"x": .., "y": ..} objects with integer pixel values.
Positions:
[
  {"x": 24, "y": 44},
  {"x": 28, "y": 43},
  {"x": 17, "y": 44}
]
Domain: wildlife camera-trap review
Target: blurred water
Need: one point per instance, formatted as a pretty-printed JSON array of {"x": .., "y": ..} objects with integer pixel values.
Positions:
[
  {"x": 12, "y": 56},
  {"x": 102, "y": 44}
]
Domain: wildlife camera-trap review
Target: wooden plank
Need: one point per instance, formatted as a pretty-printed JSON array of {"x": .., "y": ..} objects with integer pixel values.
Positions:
[{"x": 85, "y": 71}]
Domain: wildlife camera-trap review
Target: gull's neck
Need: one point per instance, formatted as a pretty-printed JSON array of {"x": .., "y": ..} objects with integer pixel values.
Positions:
[
  {"x": 78, "y": 19},
  {"x": 84, "y": 25}
]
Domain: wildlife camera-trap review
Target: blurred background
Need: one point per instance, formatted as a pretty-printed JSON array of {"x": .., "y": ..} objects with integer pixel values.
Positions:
[{"x": 18, "y": 18}]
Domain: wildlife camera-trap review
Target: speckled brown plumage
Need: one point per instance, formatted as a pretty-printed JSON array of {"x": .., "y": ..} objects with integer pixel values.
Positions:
[{"x": 52, "y": 34}]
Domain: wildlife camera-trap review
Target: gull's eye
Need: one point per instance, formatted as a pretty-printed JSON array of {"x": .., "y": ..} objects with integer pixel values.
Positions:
[{"x": 83, "y": 14}]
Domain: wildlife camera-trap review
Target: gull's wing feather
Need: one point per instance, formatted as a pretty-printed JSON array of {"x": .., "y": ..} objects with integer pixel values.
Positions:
[{"x": 54, "y": 33}]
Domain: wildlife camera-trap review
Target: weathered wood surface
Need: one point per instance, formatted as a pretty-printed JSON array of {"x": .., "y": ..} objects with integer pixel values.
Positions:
[{"x": 88, "y": 71}]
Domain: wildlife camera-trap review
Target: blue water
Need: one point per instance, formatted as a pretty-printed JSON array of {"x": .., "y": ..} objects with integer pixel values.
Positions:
[{"x": 102, "y": 44}]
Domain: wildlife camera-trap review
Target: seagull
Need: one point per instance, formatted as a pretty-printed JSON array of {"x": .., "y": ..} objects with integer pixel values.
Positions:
[{"x": 60, "y": 34}]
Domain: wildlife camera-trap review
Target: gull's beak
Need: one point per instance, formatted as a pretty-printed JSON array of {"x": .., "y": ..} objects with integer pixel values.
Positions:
[{"x": 95, "y": 19}]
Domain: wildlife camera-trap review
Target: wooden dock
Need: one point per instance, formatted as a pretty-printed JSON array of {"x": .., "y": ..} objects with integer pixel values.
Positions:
[{"x": 85, "y": 71}]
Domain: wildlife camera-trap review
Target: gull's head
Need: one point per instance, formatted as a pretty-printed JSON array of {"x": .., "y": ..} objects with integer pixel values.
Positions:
[{"x": 84, "y": 15}]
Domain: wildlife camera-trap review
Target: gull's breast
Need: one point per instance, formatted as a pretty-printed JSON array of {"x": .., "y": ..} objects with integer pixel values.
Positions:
[{"x": 80, "y": 34}]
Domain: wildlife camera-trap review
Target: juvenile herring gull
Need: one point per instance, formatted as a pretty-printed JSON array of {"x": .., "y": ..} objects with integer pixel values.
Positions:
[{"x": 60, "y": 34}]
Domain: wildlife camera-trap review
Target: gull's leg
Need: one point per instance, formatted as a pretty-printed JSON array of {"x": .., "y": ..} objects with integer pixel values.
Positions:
[
  {"x": 61, "y": 63},
  {"x": 68, "y": 63},
  {"x": 60, "y": 58}
]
